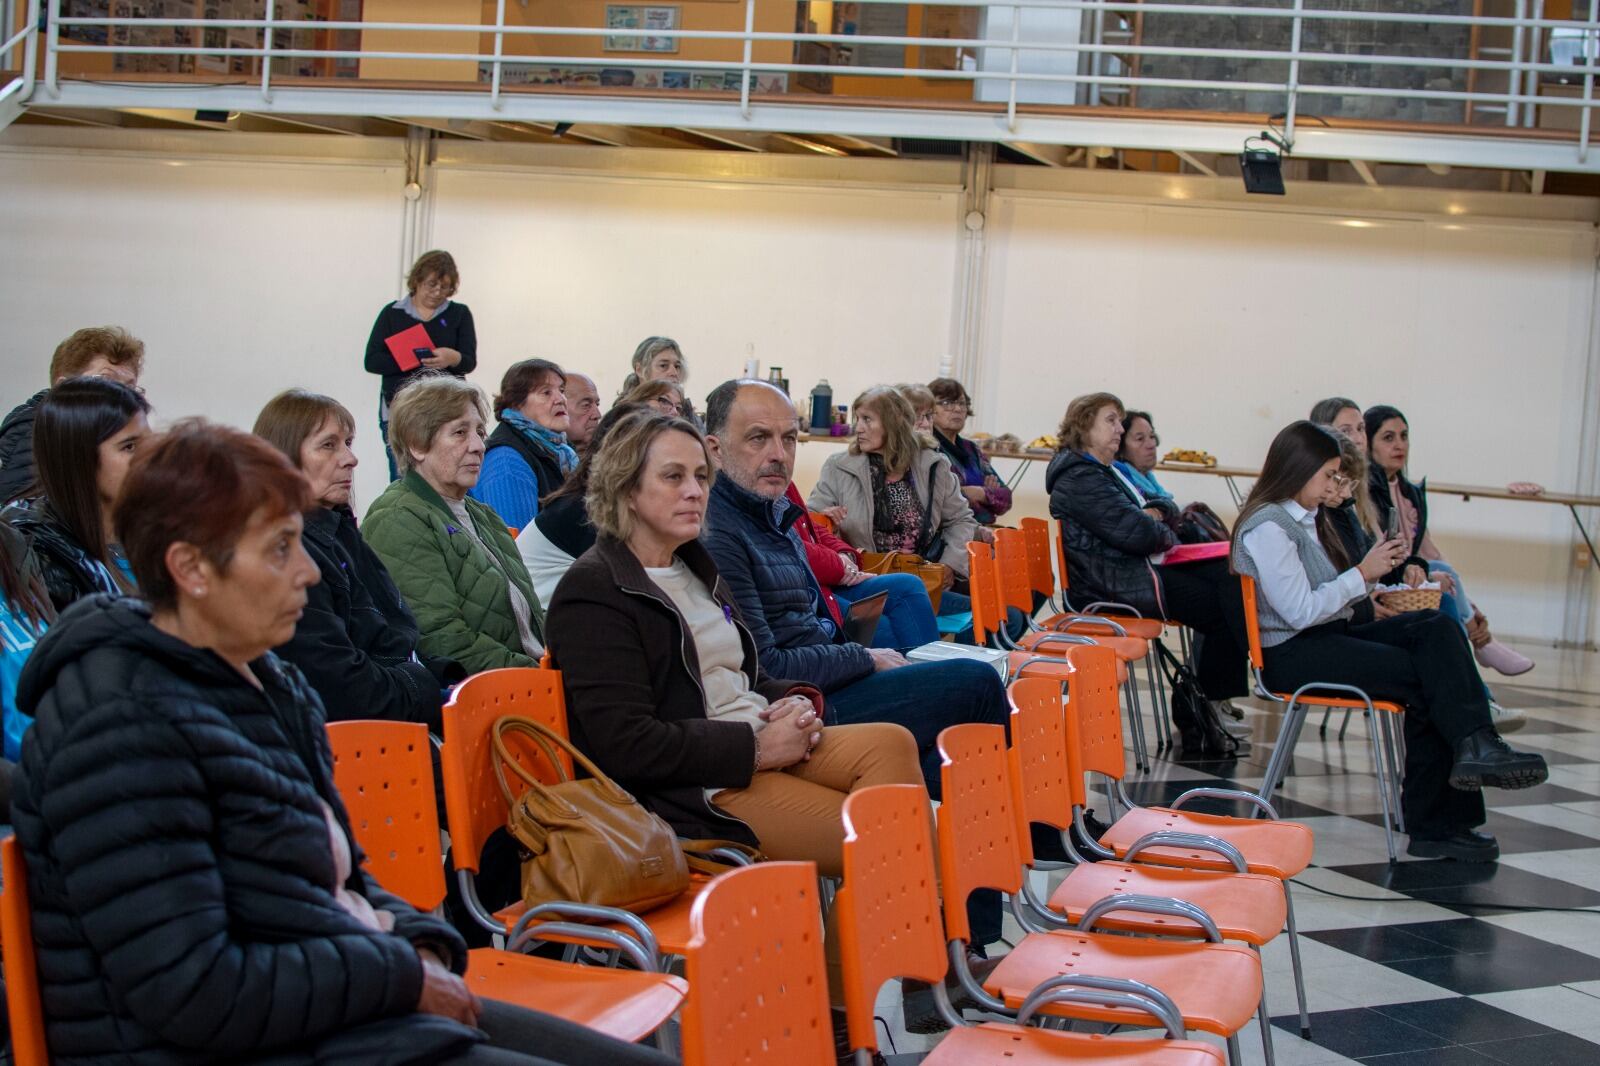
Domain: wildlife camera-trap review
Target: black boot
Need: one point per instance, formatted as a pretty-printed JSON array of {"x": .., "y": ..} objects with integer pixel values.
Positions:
[
  {"x": 841, "y": 1042},
  {"x": 1464, "y": 845},
  {"x": 1483, "y": 760}
]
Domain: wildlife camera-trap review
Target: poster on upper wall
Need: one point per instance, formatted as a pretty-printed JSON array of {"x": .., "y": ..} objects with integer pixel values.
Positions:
[{"x": 643, "y": 19}]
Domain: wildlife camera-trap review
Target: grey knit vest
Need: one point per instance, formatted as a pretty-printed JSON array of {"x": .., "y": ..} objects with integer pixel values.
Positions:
[{"x": 1319, "y": 569}]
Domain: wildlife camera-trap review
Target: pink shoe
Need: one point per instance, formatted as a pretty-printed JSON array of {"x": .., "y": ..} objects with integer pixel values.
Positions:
[{"x": 1496, "y": 656}]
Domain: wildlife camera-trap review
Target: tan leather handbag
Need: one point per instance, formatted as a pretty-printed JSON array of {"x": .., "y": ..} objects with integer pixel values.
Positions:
[
  {"x": 932, "y": 574},
  {"x": 587, "y": 840}
]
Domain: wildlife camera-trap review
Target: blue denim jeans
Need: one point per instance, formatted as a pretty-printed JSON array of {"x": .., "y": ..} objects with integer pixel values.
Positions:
[
  {"x": 927, "y": 698},
  {"x": 907, "y": 620}
]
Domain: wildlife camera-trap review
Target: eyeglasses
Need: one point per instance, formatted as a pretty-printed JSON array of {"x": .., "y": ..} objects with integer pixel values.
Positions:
[
  {"x": 952, "y": 405},
  {"x": 441, "y": 284}
]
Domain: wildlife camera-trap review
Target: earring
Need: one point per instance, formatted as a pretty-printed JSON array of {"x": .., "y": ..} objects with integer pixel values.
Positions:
[{"x": 199, "y": 590}]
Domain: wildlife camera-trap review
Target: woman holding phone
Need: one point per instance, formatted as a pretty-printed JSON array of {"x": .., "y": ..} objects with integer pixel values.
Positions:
[
  {"x": 1306, "y": 587},
  {"x": 421, "y": 332}
]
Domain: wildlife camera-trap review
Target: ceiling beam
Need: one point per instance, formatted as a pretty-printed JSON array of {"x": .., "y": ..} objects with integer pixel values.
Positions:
[
  {"x": 1051, "y": 155},
  {"x": 1188, "y": 157},
  {"x": 1365, "y": 171}
]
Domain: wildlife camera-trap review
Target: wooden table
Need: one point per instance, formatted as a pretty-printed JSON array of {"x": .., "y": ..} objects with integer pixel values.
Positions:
[{"x": 1230, "y": 474}]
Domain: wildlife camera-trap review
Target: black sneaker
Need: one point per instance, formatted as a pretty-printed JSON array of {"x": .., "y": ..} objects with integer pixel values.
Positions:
[
  {"x": 1464, "y": 845},
  {"x": 1483, "y": 760}
]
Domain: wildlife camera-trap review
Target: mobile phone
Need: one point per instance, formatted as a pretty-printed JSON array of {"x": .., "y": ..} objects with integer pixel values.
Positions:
[
  {"x": 422, "y": 353},
  {"x": 1392, "y": 530}
]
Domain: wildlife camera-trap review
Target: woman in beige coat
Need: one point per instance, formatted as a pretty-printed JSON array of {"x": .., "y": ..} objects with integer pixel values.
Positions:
[{"x": 892, "y": 493}]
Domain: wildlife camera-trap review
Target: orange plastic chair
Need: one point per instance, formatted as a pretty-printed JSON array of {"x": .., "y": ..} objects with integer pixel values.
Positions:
[
  {"x": 475, "y": 806},
  {"x": 1384, "y": 729},
  {"x": 1246, "y": 907},
  {"x": 385, "y": 776},
  {"x": 888, "y": 925},
  {"x": 821, "y": 521},
  {"x": 1215, "y": 986},
  {"x": 1170, "y": 836},
  {"x": 989, "y": 612},
  {"x": 1127, "y": 617},
  {"x": 23, "y": 1006},
  {"x": 758, "y": 990}
]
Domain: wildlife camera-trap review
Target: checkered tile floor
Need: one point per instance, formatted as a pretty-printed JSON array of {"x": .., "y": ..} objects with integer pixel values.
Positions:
[{"x": 1429, "y": 967}]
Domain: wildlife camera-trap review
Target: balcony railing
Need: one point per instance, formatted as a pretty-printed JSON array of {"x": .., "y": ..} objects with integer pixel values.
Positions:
[{"x": 986, "y": 70}]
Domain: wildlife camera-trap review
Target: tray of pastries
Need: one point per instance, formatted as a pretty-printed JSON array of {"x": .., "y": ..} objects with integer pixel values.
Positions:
[{"x": 1189, "y": 456}]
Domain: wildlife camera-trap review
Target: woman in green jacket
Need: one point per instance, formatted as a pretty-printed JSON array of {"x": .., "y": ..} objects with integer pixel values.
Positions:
[{"x": 452, "y": 558}]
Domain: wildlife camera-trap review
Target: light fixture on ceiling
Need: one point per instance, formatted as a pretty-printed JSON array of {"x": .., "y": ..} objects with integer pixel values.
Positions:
[{"x": 1262, "y": 167}]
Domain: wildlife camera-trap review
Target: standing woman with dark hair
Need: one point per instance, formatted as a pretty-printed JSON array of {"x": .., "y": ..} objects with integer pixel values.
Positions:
[
  {"x": 452, "y": 344},
  {"x": 528, "y": 455},
  {"x": 1389, "y": 445},
  {"x": 85, "y": 434},
  {"x": 1305, "y": 589}
]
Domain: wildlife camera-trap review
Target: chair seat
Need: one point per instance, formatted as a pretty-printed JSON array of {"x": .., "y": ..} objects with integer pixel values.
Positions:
[
  {"x": 669, "y": 922},
  {"x": 1056, "y": 671},
  {"x": 624, "y": 1004},
  {"x": 1216, "y": 987},
  {"x": 1276, "y": 849},
  {"x": 1143, "y": 628},
  {"x": 1010, "y": 1045},
  {"x": 1246, "y": 907},
  {"x": 1311, "y": 699},
  {"x": 1128, "y": 649}
]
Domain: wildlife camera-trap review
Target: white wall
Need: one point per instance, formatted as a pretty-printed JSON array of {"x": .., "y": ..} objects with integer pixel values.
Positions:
[
  {"x": 248, "y": 276},
  {"x": 1229, "y": 323}
]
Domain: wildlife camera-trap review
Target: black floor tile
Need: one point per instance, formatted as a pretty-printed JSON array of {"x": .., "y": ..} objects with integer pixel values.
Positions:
[
  {"x": 1437, "y": 1056},
  {"x": 1518, "y": 835},
  {"x": 1552, "y": 1049},
  {"x": 1156, "y": 793},
  {"x": 1534, "y": 964},
  {"x": 1473, "y": 888},
  {"x": 1361, "y": 1031},
  {"x": 1545, "y": 793},
  {"x": 1463, "y": 1020},
  {"x": 1382, "y": 943}
]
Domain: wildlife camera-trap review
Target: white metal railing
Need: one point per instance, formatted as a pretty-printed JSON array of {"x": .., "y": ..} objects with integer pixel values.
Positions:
[{"x": 1298, "y": 87}]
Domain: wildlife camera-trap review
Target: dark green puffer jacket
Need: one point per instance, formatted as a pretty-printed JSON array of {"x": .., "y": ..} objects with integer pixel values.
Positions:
[{"x": 457, "y": 592}]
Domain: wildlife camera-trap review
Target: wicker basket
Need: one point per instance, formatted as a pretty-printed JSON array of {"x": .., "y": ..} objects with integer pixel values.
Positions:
[{"x": 1412, "y": 599}]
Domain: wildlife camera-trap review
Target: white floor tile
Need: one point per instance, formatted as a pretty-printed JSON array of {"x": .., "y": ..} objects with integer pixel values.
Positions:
[
  {"x": 1580, "y": 932},
  {"x": 1558, "y": 1007},
  {"x": 1580, "y": 866},
  {"x": 1558, "y": 816}
]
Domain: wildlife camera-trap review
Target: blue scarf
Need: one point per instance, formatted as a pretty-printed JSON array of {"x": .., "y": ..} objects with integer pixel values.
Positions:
[
  {"x": 556, "y": 442},
  {"x": 1145, "y": 483}
]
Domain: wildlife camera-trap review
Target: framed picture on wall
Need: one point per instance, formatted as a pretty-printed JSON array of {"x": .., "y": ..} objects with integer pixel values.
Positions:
[{"x": 641, "y": 20}]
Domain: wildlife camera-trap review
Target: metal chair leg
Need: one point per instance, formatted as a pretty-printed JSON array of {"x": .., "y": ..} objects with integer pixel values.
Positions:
[
  {"x": 1395, "y": 736},
  {"x": 1294, "y": 959},
  {"x": 1234, "y": 1058},
  {"x": 1264, "y": 1018},
  {"x": 1345, "y": 726},
  {"x": 1322, "y": 730},
  {"x": 1283, "y": 751},
  {"x": 1380, "y": 760},
  {"x": 1141, "y": 756},
  {"x": 1158, "y": 700}
]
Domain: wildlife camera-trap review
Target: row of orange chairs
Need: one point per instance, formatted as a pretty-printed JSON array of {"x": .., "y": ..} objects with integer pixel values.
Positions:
[{"x": 749, "y": 937}]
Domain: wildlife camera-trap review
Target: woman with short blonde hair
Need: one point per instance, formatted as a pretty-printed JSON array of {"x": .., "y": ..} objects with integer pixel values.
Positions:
[
  {"x": 661, "y": 395},
  {"x": 452, "y": 557}
]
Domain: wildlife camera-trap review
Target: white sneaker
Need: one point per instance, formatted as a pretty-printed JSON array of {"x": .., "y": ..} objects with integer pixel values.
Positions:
[{"x": 1505, "y": 719}]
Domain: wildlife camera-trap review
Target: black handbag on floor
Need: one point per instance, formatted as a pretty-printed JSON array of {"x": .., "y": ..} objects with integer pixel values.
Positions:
[{"x": 1200, "y": 732}]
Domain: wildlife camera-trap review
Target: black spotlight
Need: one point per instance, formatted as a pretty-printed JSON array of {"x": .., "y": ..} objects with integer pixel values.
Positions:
[{"x": 1262, "y": 171}]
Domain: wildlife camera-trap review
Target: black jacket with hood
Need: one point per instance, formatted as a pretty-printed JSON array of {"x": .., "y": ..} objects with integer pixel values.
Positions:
[
  {"x": 1108, "y": 536},
  {"x": 16, "y": 448},
  {"x": 171, "y": 816}
]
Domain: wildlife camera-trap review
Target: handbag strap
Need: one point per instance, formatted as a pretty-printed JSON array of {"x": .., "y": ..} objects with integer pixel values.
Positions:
[
  {"x": 548, "y": 740},
  {"x": 695, "y": 854}
]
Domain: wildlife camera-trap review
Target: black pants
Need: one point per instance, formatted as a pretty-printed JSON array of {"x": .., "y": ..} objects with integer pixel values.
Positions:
[
  {"x": 1205, "y": 597},
  {"x": 519, "y": 1037},
  {"x": 1422, "y": 661}
]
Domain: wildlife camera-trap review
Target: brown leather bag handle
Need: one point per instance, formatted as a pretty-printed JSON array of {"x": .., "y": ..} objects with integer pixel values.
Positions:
[{"x": 544, "y": 736}]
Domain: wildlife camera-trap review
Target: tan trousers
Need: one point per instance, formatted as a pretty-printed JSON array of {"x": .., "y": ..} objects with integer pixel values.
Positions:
[{"x": 797, "y": 812}]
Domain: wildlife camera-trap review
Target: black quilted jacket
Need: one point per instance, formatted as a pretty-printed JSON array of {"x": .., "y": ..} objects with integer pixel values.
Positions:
[
  {"x": 1108, "y": 536},
  {"x": 180, "y": 870}
]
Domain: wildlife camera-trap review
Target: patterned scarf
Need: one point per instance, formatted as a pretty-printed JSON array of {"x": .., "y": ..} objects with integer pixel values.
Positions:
[{"x": 556, "y": 442}]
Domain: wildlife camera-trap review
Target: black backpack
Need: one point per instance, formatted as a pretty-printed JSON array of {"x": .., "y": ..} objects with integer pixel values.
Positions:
[{"x": 1200, "y": 733}]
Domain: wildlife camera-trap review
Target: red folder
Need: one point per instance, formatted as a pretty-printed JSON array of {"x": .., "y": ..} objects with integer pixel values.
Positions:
[
  {"x": 1194, "y": 553},
  {"x": 401, "y": 346}
]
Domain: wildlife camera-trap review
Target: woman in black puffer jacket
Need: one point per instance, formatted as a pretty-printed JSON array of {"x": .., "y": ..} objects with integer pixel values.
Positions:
[
  {"x": 1111, "y": 531},
  {"x": 197, "y": 896}
]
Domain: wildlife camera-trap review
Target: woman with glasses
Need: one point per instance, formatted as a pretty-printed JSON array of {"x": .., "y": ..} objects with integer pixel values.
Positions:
[
  {"x": 985, "y": 493},
  {"x": 662, "y": 396},
  {"x": 452, "y": 344}
]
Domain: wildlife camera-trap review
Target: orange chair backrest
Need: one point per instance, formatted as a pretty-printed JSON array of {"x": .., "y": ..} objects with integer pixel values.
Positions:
[
  {"x": 1061, "y": 553},
  {"x": 887, "y": 911},
  {"x": 1011, "y": 562},
  {"x": 22, "y": 965},
  {"x": 1038, "y": 755},
  {"x": 821, "y": 521},
  {"x": 758, "y": 990},
  {"x": 984, "y": 585},
  {"x": 474, "y": 805},
  {"x": 977, "y": 829},
  {"x": 1252, "y": 624},
  {"x": 384, "y": 774},
  {"x": 1036, "y": 539},
  {"x": 1094, "y": 726}
]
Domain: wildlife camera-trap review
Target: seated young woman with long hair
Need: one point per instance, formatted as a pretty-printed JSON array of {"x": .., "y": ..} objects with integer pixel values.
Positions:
[{"x": 1306, "y": 587}]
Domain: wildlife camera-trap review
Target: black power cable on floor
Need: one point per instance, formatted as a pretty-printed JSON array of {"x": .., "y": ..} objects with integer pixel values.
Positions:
[{"x": 1437, "y": 903}]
